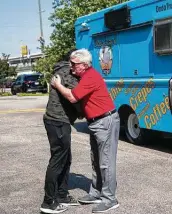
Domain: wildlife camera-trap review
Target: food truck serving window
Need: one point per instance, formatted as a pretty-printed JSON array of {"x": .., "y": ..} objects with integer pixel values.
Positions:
[
  {"x": 117, "y": 19},
  {"x": 163, "y": 36}
]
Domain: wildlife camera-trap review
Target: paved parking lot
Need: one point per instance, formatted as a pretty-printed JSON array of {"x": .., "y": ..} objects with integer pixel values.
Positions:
[{"x": 144, "y": 174}]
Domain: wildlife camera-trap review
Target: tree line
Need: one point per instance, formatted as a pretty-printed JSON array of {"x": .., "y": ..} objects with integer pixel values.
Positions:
[{"x": 6, "y": 71}]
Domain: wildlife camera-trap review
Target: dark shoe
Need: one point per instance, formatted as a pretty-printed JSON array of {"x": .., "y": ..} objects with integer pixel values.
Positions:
[
  {"x": 68, "y": 201},
  {"x": 105, "y": 207},
  {"x": 89, "y": 199},
  {"x": 45, "y": 206},
  {"x": 52, "y": 208}
]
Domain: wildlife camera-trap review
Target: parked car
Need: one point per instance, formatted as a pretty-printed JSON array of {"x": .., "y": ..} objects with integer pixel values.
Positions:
[{"x": 26, "y": 83}]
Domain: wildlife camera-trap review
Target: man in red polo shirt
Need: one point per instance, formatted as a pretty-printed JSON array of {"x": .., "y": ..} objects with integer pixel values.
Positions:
[{"x": 103, "y": 123}]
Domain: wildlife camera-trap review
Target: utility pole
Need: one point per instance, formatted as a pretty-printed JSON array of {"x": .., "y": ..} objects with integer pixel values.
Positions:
[{"x": 41, "y": 38}]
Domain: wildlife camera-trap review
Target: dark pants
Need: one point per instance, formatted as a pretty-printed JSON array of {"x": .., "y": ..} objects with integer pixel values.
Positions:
[{"x": 57, "y": 174}]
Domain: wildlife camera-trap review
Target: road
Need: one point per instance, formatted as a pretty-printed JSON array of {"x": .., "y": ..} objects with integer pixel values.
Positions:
[{"x": 144, "y": 174}]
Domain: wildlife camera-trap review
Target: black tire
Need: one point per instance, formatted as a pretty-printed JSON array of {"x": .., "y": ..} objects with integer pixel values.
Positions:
[
  {"x": 45, "y": 91},
  {"x": 24, "y": 89},
  {"x": 13, "y": 92},
  {"x": 132, "y": 129}
]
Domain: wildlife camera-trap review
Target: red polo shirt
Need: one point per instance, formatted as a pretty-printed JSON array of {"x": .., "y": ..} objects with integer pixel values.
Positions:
[{"x": 94, "y": 94}]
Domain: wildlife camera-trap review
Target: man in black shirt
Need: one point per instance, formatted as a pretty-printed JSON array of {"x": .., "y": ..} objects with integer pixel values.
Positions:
[{"x": 60, "y": 113}]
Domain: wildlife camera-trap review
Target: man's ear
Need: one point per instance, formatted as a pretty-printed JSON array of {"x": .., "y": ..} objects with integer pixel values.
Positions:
[{"x": 86, "y": 66}]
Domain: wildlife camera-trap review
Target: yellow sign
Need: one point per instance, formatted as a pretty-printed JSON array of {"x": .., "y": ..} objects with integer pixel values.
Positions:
[{"x": 24, "y": 50}]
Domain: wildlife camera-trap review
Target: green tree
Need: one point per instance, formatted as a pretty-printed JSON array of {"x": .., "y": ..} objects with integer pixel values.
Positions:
[
  {"x": 63, "y": 37},
  {"x": 5, "y": 70}
]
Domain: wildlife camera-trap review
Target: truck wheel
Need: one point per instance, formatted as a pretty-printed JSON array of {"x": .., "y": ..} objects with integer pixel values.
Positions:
[
  {"x": 13, "y": 92},
  {"x": 44, "y": 91},
  {"x": 132, "y": 129},
  {"x": 24, "y": 90}
]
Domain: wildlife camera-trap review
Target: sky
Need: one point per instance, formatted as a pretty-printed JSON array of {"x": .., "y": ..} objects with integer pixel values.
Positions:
[{"x": 19, "y": 25}]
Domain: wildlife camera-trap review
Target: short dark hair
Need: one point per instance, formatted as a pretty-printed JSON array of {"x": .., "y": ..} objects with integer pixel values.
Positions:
[{"x": 66, "y": 57}]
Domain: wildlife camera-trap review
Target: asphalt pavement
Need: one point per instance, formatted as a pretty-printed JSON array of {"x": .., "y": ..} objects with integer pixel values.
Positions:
[{"x": 144, "y": 174}]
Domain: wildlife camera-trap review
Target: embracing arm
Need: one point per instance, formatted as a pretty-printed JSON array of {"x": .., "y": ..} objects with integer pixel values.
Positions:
[{"x": 66, "y": 92}]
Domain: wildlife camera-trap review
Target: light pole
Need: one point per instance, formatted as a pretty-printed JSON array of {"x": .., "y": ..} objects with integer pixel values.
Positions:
[{"x": 41, "y": 38}]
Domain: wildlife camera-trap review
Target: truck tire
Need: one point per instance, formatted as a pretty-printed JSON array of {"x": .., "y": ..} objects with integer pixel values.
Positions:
[
  {"x": 13, "y": 92},
  {"x": 132, "y": 129}
]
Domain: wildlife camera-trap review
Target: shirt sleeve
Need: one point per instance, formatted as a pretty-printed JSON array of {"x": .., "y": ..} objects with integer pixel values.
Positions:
[
  {"x": 85, "y": 86},
  {"x": 70, "y": 81}
]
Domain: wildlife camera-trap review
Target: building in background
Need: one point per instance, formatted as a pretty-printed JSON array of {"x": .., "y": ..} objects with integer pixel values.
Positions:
[{"x": 24, "y": 62}]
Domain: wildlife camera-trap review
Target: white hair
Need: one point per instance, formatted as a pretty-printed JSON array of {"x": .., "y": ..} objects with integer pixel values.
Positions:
[{"x": 83, "y": 55}]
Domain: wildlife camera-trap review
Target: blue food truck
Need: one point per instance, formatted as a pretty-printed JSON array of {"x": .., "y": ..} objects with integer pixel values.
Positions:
[{"x": 131, "y": 45}]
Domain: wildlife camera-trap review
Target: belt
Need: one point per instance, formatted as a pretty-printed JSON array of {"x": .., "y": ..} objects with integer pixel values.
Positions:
[{"x": 102, "y": 116}]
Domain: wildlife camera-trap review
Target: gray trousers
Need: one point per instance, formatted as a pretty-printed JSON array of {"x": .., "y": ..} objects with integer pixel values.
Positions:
[{"x": 104, "y": 135}]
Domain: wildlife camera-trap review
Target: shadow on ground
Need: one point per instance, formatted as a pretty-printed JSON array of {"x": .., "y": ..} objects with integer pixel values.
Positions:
[
  {"x": 162, "y": 144},
  {"x": 78, "y": 181}
]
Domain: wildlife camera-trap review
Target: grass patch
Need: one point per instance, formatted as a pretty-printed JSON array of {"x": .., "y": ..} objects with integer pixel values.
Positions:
[
  {"x": 32, "y": 94},
  {"x": 5, "y": 94}
]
